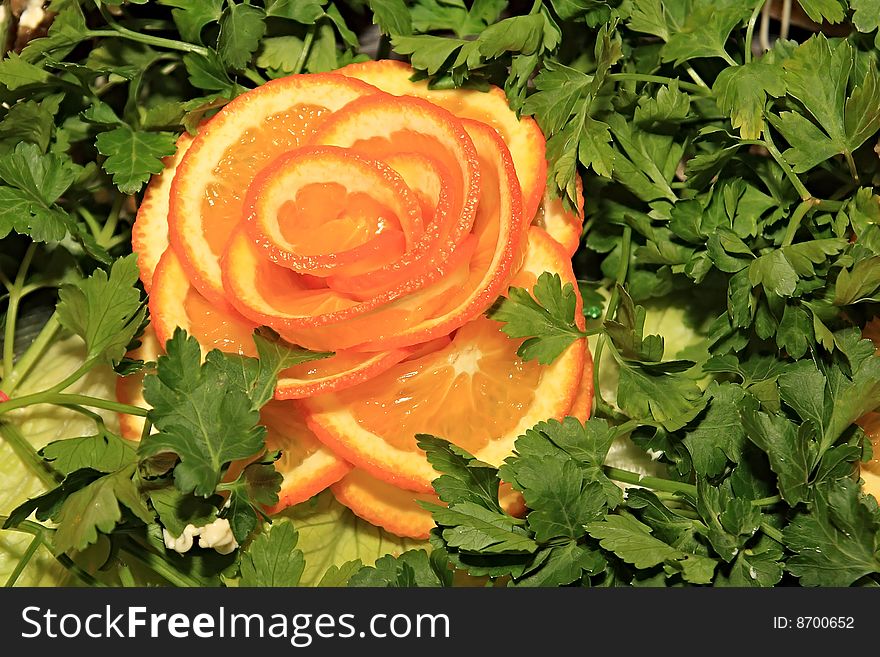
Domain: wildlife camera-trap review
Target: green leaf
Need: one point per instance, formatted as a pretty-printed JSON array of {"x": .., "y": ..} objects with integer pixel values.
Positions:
[
  {"x": 561, "y": 565},
  {"x": 133, "y": 156},
  {"x": 208, "y": 72},
  {"x": 392, "y": 17},
  {"x": 631, "y": 540},
  {"x": 835, "y": 541},
  {"x": 547, "y": 320},
  {"x": 860, "y": 284},
  {"x": 473, "y": 528},
  {"x": 202, "y": 416},
  {"x": 463, "y": 478},
  {"x": 778, "y": 271},
  {"x": 15, "y": 72},
  {"x": 560, "y": 496},
  {"x": 818, "y": 75},
  {"x": 705, "y": 30},
  {"x": 105, "y": 311},
  {"x": 866, "y": 14},
  {"x": 832, "y": 11},
  {"x": 96, "y": 508},
  {"x": 338, "y": 576},
  {"x": 331, "y": 535},
  {"x": 792, "y": 453},
  {"x": 719, "y": 437},
  {"x": 177, "y": 510},
  {"x": 585, "y": 444},
  {"x": 741, "y": 92},
  {"x": 256, "y": 488},
  {"x": 272, "y": 559},
  {"x": 410, "y": 569},
  {"x": 241, "y": 28},
  {"x": 191, "y": 16},
  {"x": 104, "y": 452}
]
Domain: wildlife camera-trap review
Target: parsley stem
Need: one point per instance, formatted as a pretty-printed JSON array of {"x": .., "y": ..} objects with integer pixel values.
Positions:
[
  {"x": 696, "y": 78},
  {"x": 767, "y": 501},
  {"x": 160, "y": 42},
  {"x": 24, "y": 560},
  {"x": 158, "y": 564},
  {"x": 32, "y": 354},
  {"x": 656, "y": 483},
  {"x": 12, "y": 308},
  {"x": 750, "y": 31},
  {"x": 307, "y": 46},
  {"x": 36, "y": 529},
  {"x": 767, "y": 143},
  {"x": 727, "y": 58},
  {"x": 254, "y": 76},
  {"x": 27, "y": 454},
  {"x": 620, "y": 279},
  {"x": 772, "y": 532},
  {"x": 91, "y": 222},
  {"x": 795, "y": 221},
  {"x": 112, "y": 219},
  {"x": 63, "y": 399},
  {"x": 660, "y": 79}
]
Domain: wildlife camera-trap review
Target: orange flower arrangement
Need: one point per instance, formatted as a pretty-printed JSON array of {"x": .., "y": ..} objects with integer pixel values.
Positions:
[{"x": 364, "y": 214}]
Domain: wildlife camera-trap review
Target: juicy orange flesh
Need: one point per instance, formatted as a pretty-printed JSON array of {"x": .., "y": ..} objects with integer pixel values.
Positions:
[
  {"x": 408, "y": 141},
  {"x": 256, "y": 147},
  {"x": 470, "y": 392},
  {"x": 287, "y": 431},
  {"x": 870, "y": 423},
  {"x": 341, "y": 361},
  {"x": 216, "y": 328},
  {"x": 326, "y": 218}
]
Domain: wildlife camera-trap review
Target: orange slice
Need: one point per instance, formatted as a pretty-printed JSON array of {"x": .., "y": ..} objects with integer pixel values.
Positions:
[
  {"x": 522, "y": 135},
  {"x": 176, "y": 303},
  {"x": 475, "y": 392},
  {"x": 130, "y": 389},
  {"x": 562, "y": 224},
  {"x": 397, "y": 510},
  {"x": 149, "y": 234},
  {"x": 582, "y": 407},
  {"x": 477, "y": 270},
  {"x": 364, "y": 221},
  {"x": 308, "y": 467},
  {"x": 393, "y": 509},
  {"x": 207, "y": 194}
]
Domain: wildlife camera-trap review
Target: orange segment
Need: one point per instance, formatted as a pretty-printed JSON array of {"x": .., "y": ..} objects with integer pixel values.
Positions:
[
  {"x": 207, "y": 195},
  {"x": 522, "y": 136},
  {"x": 562, "y": 224},
  {"x": 130, "y": 389},
  {"x": 321, "y": 228},
  {"x": 176, "y": 303},
  {"x": 342, "y": 370},
  {"x": 582, "y": 406},
  {"x": 149, "y": 234},
  {"x": 308, "y": 467},
  {"x": 475, "y": 392},
  {"x": 386, "y": 506}
]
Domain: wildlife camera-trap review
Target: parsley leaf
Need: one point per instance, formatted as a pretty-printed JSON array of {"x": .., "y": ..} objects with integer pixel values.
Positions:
[
  {"x": 105, "y": 311},
  {"x": 96, "y": 508},
  {"x": 412, "y": 568},
  {"x": 835, "y": 543},
  {"x": 272, "y": 559},
  {"x": 104, "y": 452},
  {"x": 132, "y": 156},
  {"x": 547, "y": 319},
  {"x": 202, "y": 416},
  {"x": 241, "y": 28}
]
